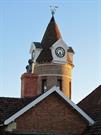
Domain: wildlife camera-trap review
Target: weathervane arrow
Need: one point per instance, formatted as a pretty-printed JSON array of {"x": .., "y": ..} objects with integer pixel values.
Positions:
[{"x": 53, "y": 9}]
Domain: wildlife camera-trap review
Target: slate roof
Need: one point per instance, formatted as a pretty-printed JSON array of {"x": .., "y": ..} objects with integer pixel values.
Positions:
[
  {"x": 52, "y": 34},
  {"x": 9, "y": 106},
  {"x": 92, "y": 106},
  {"x": 45, "y": 56}
]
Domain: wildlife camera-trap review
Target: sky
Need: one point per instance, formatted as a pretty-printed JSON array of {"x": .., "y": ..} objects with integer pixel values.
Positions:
[{"x": 25, "y": 21}]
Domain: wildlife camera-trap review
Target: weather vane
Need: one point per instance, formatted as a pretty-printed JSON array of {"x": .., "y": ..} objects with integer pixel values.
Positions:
[{"x": 53, "y": 9}]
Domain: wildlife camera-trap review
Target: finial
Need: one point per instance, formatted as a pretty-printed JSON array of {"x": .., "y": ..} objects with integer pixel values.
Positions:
[{"x": 53, "y": 9}]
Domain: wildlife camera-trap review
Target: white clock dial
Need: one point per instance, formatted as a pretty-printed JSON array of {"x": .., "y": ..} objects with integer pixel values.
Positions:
[{"x": 60, "y": 52}]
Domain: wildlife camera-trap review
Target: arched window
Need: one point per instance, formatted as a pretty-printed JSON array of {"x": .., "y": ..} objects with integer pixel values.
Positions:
[{"x": 44, "y": 85}]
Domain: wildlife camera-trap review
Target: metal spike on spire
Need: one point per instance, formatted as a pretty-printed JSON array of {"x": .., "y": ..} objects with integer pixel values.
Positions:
[{"x": 53, "y": 9}]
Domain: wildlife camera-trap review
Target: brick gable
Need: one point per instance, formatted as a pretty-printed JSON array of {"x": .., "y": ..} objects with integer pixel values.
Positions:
[{"x": 51, "y": 115}]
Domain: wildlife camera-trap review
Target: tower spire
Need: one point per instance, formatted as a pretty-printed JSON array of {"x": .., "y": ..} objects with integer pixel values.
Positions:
[{"x": 51, "y": 35}]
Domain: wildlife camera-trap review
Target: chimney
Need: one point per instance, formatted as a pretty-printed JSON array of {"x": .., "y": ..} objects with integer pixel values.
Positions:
[{"x": 29, "y": 85}]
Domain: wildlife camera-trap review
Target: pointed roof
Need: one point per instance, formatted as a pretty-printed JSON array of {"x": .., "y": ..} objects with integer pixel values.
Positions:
[{"x": 52, "y": 34}]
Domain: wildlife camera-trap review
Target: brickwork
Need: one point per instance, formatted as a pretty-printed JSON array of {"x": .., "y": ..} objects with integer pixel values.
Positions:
[
  {"x": 60, "y": 69},
  {"x": 53, "y": 72},
  {"x": 29, "y": 85},
  {"x": 51, "y": 115},
  {"x": 51, "y": 81}
]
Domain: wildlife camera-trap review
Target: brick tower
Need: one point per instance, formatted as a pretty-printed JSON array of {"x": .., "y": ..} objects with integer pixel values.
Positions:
[{"x": 51, "y": 64}]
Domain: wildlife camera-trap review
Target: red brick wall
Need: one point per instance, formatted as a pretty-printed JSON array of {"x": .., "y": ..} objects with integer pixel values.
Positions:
[
  {"x": 29, "y": 84},
  {"x": 51, "y": 115}
]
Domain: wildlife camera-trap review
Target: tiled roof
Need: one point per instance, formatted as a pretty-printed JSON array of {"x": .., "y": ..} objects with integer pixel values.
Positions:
[
  {"x": 8, "y": 106},
  {"x": 52, "y": 34},
  {"x": 92, "y": 106}
]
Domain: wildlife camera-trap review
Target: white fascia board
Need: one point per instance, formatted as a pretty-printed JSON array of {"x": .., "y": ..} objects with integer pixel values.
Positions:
[
  {"x": 39, "y": 99},
  {"x": 30, "y": 105},
  {"x": 91, "y": 121}
]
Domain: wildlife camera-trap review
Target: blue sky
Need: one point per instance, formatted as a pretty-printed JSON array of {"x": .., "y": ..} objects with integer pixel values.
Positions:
[{"x": 24, "y": 21}]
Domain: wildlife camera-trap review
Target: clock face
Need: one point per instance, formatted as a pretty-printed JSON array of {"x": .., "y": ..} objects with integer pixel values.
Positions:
[{"x": 60, "y": 52}]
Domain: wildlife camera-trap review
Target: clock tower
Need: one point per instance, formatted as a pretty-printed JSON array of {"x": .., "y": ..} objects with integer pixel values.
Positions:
[{"x": 51, "y": 64}]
